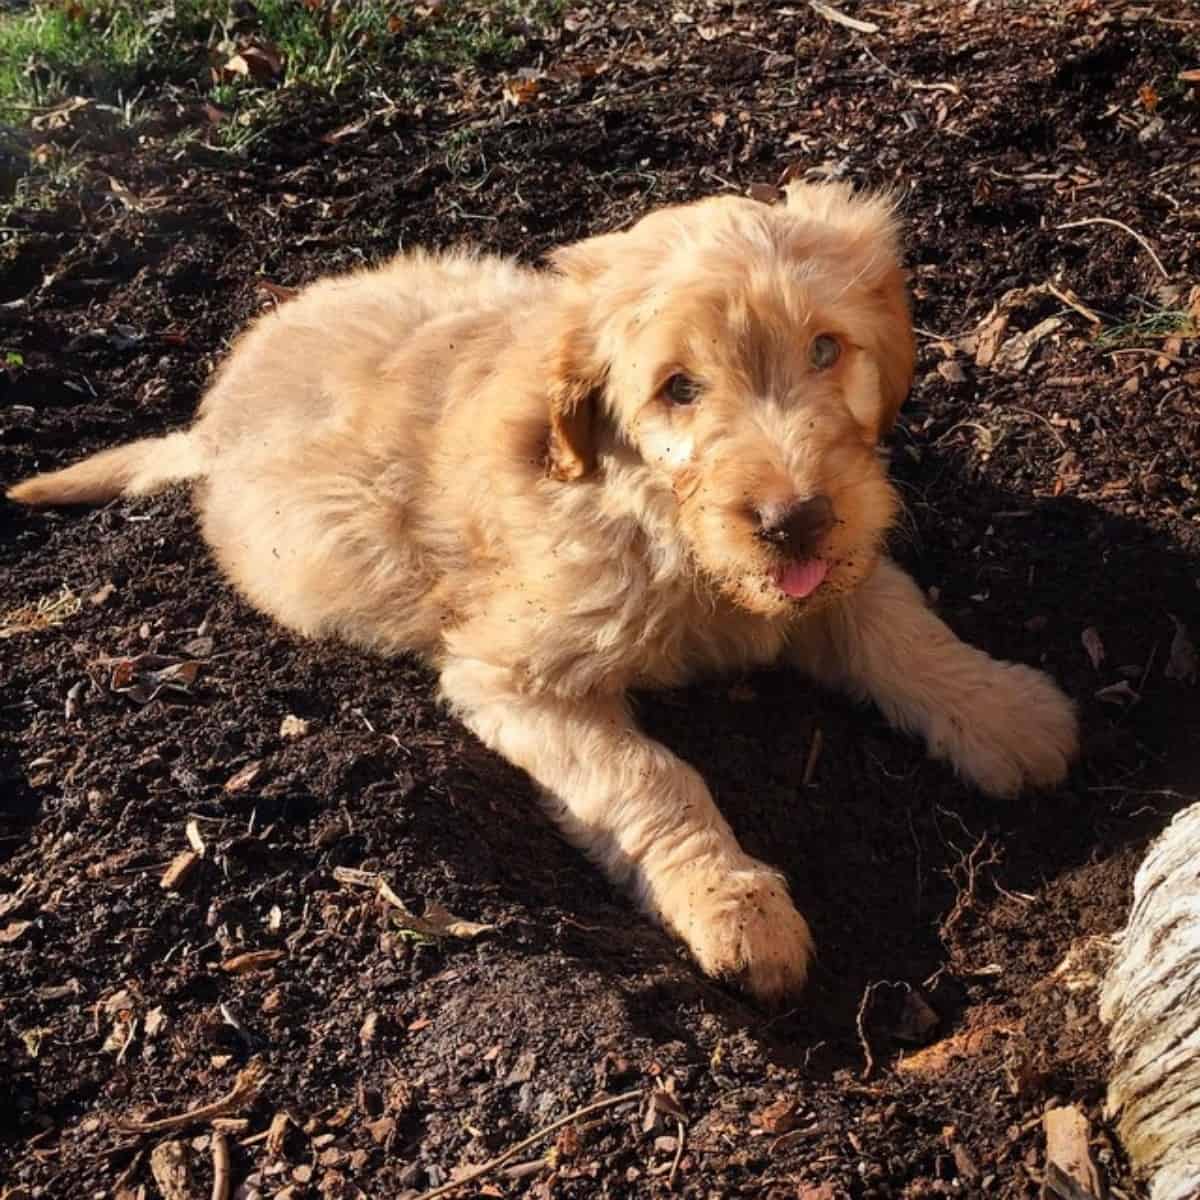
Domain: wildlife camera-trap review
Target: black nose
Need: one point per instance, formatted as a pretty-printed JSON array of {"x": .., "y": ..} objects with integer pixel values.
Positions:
[{"x": 799, "y": 529}]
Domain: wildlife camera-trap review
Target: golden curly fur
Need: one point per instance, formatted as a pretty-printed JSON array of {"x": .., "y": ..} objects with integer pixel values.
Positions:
[{"x": 656, "y": 459}]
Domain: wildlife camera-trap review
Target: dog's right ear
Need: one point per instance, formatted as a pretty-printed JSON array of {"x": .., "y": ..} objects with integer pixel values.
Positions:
[
  {"x": 584, "y": 262},
  {"x": 576, "y": 380}
]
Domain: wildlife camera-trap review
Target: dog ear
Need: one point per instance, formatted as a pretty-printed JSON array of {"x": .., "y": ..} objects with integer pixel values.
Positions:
[
  {"x": 575, "y": 384},
  {"x": 895, "y": 348},
  {"x": 584, "y": 262},
  {"x": 870, "y": 222}
]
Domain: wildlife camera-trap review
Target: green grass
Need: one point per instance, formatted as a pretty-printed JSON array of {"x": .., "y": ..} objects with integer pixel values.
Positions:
[
  {"x": 103, "y": 50},
  {"x": 121, "y": 53},
  {"x": 106, "y": 49},
  {"x": 1152, "y": 324}
]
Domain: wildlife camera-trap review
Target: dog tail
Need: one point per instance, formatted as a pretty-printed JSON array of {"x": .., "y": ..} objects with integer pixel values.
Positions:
[{"x": 134, "y": 470}]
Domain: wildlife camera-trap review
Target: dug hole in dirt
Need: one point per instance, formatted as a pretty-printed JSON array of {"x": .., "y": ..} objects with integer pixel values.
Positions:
[{"x": 197, "y": 809}]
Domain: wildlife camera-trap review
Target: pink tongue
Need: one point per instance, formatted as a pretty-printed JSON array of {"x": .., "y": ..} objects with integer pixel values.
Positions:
[{"x": 802, "y": 577}]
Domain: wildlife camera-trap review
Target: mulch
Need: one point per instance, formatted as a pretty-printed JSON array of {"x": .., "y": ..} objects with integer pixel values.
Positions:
[{"x": 1046, "y": 159}]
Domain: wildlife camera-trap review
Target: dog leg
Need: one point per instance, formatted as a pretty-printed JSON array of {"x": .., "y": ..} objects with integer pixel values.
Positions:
[
  {"x": 648, "y": 819},
  {"x": 1002, "y": 725}
]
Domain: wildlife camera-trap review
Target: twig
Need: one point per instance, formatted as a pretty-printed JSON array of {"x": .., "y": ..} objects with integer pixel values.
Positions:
[
  {"x": 1133, "y": 233},
  {"x": 245, "y": 1088},
  {"x": 1150, "y": 350},
  {"x": 488, "y": 1167},
  {"x": 220, "y": 1156},
  {"x": 1073, "y": 301},
  {"x": 967, "y": 869},
  {"x": 679, "y": 1142},
  {"x": 860, "y": 1023},
  {"x": 1028, "y": 412},
  {"x": 832, "y": 14}
]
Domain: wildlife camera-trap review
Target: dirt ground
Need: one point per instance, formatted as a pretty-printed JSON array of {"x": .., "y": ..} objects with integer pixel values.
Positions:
[{"x": 1053, "y": 511}]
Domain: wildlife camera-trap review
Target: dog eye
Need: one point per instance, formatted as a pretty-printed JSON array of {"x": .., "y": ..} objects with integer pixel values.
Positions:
[
  {"x": 681, "y": 389},
  {"x": 824, "y": 351}
]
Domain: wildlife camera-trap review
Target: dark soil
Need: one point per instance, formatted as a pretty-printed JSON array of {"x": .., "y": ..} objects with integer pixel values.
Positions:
[{"x": 1042, "y": 502}]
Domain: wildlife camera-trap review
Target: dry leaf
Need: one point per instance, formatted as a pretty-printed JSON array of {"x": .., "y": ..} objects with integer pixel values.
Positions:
[
  {"x": 521, "y": 91},
  {"x": 1015, "y": 354},
  {"x": 1182, "y": 663},
  {"x": 13, "y": 931},
  {"x": 144, "y": 677},
  {"x": 780, "y": 1117},
  {"x": 1093, "y": 645},
  {"x": 258, "y": 61},
  {"x": 438, "y": 922},
  {"x": 1118, "y": 693}
]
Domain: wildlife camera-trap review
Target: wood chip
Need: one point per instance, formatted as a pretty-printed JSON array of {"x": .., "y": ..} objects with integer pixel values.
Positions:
[
  {"x": 292, "y": 727},
  {"x": 182, "y": 865},
  {"x": 240, "y": 780},
  {"x": 1071, "y": 1171},
  {"x": 194, "y": 839},
  {"x": 252, "y": 960},
  {"x": 170, "y": 1165}
]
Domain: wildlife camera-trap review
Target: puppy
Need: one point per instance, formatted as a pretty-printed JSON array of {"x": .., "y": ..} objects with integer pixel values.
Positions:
[{"x": 656, "y": 459}]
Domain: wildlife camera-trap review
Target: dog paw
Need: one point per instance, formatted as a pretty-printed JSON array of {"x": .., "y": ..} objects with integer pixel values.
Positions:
[
  {"x": 1018, "y": 730},
  {"x": 740, "y": 924}
]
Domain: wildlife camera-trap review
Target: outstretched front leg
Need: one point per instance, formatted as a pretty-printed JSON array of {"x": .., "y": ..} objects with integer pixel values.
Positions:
[
  {"x": 648, "y": 819},
  {"x": 1002, "y": 725}
]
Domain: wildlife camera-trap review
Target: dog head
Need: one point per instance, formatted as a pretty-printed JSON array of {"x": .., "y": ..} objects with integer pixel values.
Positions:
[{"x": 751, "y": 356}]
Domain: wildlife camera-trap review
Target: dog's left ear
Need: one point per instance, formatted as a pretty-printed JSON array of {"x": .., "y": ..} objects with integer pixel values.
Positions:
[{"x": 870, "y": 222}]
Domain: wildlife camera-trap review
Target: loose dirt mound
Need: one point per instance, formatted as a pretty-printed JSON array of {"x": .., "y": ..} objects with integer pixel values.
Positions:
[{"x": 1053, "y": 512}]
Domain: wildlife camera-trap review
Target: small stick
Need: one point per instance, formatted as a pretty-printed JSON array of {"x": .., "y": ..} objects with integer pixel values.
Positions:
[
  {"x": 488, "y": 1167},
  {"x": 1172, "y": 358},
  {"x": 832, "y": 14},
  {"x": 220, "y": 1156},
  {"x": 1073, "y": 301},
  {"x": 1133, "y": 233},
  {"x": 814, "y": 753},
  {"x": 860, "y": 1023},
  {"x": 678, "y": 1153}
]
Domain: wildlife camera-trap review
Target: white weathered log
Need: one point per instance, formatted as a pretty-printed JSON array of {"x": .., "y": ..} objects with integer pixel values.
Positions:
[{"x": 1151, "y": 1003}]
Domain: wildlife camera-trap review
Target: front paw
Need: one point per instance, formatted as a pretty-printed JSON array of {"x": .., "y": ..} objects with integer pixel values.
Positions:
[
  {"x": 1015, "y": 730},
  {"x": 740, "y": 924}
]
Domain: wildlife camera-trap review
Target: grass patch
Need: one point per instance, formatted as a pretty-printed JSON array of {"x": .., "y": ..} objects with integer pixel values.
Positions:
[
  {"x": 102, "y": 49},
  {"x": 1152, "y": 324},
  {"x": 107, "y": 49}
]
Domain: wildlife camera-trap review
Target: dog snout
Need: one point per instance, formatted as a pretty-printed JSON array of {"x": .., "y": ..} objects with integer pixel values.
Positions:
[{"x": 798, "y": 529}]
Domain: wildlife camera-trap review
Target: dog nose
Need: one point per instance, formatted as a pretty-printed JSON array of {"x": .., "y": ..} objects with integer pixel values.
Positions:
[{"x": 798, "y": 529}]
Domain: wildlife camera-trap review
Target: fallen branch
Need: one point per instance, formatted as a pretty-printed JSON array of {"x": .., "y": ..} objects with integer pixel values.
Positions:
[
  {"x": 245, "y": 1089},
  {"x": 493, "y": 1163},
  {"x": 220, "y": 1157}
]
